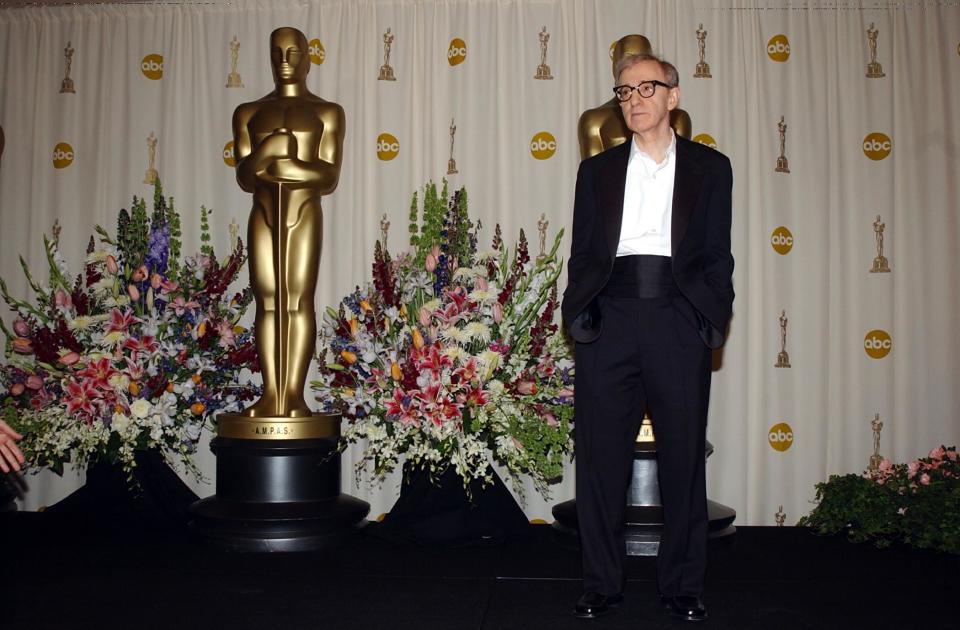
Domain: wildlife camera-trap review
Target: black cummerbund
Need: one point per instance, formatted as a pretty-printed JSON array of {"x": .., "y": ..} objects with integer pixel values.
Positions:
[{"x": 641, "y": 277}]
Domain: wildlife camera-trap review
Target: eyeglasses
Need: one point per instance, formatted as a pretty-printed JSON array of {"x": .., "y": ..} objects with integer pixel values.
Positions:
[{"x": 645, "y": 88}]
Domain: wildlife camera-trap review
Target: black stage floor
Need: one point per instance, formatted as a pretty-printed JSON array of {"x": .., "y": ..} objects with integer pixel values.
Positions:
[{"x": 61, "y": 575}]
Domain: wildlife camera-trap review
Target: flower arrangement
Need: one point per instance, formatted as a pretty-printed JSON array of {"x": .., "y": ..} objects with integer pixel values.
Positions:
[
  {"x": 137, "y": 352},
  {"x": 916, "y": 503},
  {"x": 450, "y": 355}
]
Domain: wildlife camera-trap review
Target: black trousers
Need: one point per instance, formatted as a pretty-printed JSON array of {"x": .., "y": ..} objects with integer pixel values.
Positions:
[{"x": 648, "y": 356}]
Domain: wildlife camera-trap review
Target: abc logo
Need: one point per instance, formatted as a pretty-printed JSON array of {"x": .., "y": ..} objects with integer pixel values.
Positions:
[
  {"x": 780, "y": 436},
  {"x": 782, "y": 240},
  {"x": 152, "y": 67},
  {"x": 877, "y": 344},
  {"x": 387, "y": 147},
  {"x": 705, "y": 138},
  {"x": 778, "y": 48},
  {"x": 62, "y": 155},
  {"x": 229, "y": 157},
  {"x": 877, "y": 146},
  {"x": 457, "y": 52},
  {"x": 317, "y": 52},
  {"x": 543, "y": 145}
]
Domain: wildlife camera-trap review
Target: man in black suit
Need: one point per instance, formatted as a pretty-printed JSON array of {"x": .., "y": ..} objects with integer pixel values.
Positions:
[{"x": 649, "y": 295}]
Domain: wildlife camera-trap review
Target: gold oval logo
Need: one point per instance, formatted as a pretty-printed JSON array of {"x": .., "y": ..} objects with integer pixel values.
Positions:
[
  {"x": 62, "y": 155},
  {"x": 456, "y": 52},
  {"x": 543, "y": 145},
  {"x": 318, "y": 54},
  {"x": 387, "y": 147},
  {"x": 877, "y": 344},
  {"x": 780, "y": 436},
  {"x": 152, "y": 67},
  {"x": 781, "y": 240},
  {"x": 778, "y": 48},
  {"x": 705, "y": 138},
  {"x": 877, "y": 146},
  {"x": 229, "y": 157}
]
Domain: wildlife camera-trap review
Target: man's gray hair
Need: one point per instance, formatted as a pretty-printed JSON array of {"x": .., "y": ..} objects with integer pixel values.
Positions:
[{"x": 673, "y": 77}]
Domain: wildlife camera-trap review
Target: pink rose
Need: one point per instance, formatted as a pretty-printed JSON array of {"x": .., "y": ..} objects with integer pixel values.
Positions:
[
  {"x": 112, "y": 267},
  {"x": 17, "y": 389},
  {"x": 21, "y": 327},
  {"x": 925, "y": 479},
  {"x": 527, "y": 387},
  {"x": 952, "y": 456},
  {"x": 156, "y": 281},
  {"x": 22, "y": 345},
  {"x": 912, "y": 469},
  {"x": 133, "y": 292},
  {"x": 70, "y": 358},
  {"x": 937, "y": 453},
  {"x": 34, "y": 382},
  {"x": 885, "y": 465}
]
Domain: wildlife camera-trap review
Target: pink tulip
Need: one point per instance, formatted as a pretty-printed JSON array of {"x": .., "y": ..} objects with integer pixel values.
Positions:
[
  {"x": 17, "y": 389},
  {"x": 481, "y": 284},
  {"x": 156, "y": 281},
  {"x": 925, "y": 479},
  {"x": 133, "y": 292},
  {"x": 140, "y": 274},
  {"x": 550, "y": 419},
  {"x": 34, "y": 382},
  {"x": 497, "y": 312},
  {"x": 21, "y": 327},
  {"x": 424, "y": 317},
  {"x": 565, "y": 392},
  {"x": 112, "y": 267},
  {"x": 169, "y": 286},
  {"x": 70, "y": 358},
  {"x": 22, "y": 345},
  {"x": 62, "y": 298},
  {"x": 431, "y": 263}
]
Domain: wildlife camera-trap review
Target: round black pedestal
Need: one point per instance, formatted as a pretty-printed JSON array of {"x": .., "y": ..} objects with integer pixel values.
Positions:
[
  {"x": 644, "y": 514},
  {"x": 277, "y": 495}
]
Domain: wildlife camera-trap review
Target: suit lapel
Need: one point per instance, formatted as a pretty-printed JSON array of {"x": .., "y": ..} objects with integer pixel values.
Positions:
[
  {"x": 686, "y": 188},
  {"x": 613, "y": 178}
]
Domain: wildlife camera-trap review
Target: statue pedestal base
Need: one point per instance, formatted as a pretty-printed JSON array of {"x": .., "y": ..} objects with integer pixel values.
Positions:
[
  {"x": 275, "y": 493},
  {"x": 644, "y": 514}
]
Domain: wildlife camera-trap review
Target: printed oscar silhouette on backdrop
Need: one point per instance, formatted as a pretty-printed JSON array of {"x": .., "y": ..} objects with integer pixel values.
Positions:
[
  {"x": 278, "y": 472},
  {"x": 598, "y": 130}
]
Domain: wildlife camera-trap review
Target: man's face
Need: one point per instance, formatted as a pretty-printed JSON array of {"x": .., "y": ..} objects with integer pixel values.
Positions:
[
  {"x": 644, "y": 115},
  {"x": 288, "y": 55}
]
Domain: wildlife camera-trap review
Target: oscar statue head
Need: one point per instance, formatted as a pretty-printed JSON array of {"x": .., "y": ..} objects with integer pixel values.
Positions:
[
  {"x": 629, "y": 45},
  {"x": 289, "y": 56}
]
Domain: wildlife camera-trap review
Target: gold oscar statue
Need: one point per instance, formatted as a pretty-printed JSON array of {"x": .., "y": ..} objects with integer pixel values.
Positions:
[
  {"x": 780, "y": 517},
  {"x": 874, "y": 69},
  {"x": 234, "y": 80},
  {"x": 452, "y": 163},
  {"x": 66, "y": 86},
  {"x": 543, "y": 70},
  {"x": 151, "y": 175},
  {"x": 603, "y": 127},
  {"x": 278, "y": 467},
  {"x": 289, "y": 148},
  {"x": 877, "y": 425},
  {"x": 782, "y": 165},
  {"x": 703, "y": 68},
  {"x": 783, "y": 359},
  {"x": 880, "y": 262},
  {"x": 386, "y": 70}
]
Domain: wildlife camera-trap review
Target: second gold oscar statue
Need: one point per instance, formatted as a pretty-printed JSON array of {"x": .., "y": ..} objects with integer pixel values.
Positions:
[{"x": 278, "y": 470}]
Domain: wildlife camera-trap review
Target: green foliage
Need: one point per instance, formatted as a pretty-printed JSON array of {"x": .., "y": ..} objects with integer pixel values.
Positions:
[
  {"x": 917, "y": 504},
  {"x": 173, "y": 222},
  {"x": 139, "y": 234},
  {"x": 206, "y": 248}
]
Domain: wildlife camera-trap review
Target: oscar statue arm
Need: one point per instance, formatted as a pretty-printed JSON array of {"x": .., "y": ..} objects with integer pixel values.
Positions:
[
  {"x": 589, "y": 135},
  {"x": 322, "y": 172},
  {"x": 248, "y": 163}
]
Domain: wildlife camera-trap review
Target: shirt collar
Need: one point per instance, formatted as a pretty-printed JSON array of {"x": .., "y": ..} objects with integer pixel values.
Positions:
[{"x": 635, "y": 151}]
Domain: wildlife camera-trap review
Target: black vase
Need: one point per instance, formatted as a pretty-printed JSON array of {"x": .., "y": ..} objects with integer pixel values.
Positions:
[
  {"x": 153, "y": 498},
  {"x": 439, "y": 511}
]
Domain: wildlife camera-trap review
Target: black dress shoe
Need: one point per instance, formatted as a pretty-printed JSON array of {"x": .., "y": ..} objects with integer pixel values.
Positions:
[
  {"x": 592, "y": 604},
  {"x": 686, "y": 607}
]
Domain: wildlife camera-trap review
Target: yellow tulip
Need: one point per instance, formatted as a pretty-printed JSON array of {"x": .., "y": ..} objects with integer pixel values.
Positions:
[
  {"x": 395, "y": 371},
  {"x": 349, "y": 357},
  {"x": 417, "y": 339},
  {"x": 365, "y": 305},
  {"x": 354, "y": 327}
]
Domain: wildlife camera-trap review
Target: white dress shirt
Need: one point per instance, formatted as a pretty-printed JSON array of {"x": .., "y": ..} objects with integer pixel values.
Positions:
[{"x": 648, "y": 202}]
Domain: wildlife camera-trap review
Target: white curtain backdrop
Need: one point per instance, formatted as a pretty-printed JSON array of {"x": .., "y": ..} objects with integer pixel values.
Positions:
[{"x": 816, "y": 80}]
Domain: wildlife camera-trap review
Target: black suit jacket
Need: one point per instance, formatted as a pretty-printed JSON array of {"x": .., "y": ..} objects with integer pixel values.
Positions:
[{"x": 700, "y": 237}]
